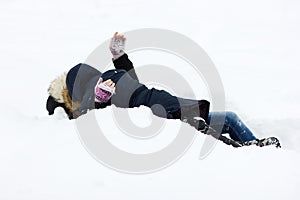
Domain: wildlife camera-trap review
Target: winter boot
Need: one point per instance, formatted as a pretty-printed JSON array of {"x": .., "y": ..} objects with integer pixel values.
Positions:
[{"x": 264, "y": 142}]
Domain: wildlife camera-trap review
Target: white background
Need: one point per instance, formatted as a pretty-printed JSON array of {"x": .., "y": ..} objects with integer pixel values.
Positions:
[{"x": 254, "y": 45}]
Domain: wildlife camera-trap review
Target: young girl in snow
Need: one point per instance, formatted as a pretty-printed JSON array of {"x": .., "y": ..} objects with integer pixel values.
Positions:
[{"x": 85, "y": 88}]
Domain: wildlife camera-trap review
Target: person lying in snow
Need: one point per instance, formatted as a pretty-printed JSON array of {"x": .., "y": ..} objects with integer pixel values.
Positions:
[{"x": 85, "y": 88}]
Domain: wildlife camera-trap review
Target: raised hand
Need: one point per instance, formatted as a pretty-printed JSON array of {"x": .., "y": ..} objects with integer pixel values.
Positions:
[{"x": 117, "y": 45}]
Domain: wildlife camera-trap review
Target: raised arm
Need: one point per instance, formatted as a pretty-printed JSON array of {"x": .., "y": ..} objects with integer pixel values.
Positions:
[{"x": 120, "y": 58}]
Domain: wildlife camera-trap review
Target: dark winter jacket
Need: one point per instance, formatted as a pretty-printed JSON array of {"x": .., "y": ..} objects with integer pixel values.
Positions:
[
  {"x": 82, "y": 78},
  {"x": 79, "y": 97}
]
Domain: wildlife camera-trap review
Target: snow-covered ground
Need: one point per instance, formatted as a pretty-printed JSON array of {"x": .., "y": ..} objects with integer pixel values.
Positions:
[{"x": 254, "y": 45}]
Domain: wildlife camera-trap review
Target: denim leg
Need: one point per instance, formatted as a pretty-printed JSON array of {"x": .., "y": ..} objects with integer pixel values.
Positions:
[{"x": 229, "y": 122}]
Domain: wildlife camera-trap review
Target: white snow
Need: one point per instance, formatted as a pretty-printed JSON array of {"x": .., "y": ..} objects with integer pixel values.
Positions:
[{"x": 255, "y": 47}]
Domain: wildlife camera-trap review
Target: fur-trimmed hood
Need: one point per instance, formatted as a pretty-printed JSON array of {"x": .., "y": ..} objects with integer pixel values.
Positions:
[
  {"x": 57, "y": 86},
  {"x": 74, "y": 90},
  {"x": 59, "y": 96}
]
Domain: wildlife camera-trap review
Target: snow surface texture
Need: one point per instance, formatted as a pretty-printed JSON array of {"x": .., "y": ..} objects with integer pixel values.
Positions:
[{"x": 255, "y": 46}]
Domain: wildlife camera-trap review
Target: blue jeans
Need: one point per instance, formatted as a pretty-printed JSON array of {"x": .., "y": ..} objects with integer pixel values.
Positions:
[{"x": 229, "y": 122}]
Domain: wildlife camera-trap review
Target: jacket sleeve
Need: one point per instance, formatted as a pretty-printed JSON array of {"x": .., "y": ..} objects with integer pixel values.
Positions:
[{"x": 124, "y": 63}]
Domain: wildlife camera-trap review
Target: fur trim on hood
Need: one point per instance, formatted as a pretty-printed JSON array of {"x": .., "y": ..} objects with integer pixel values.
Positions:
[
  {"x": 57, "y": 86},
  {"x": 59, "y": 91}
]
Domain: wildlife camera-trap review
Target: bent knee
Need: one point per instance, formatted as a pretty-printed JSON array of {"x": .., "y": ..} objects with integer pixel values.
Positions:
[{"x": 231, "y": 115}]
